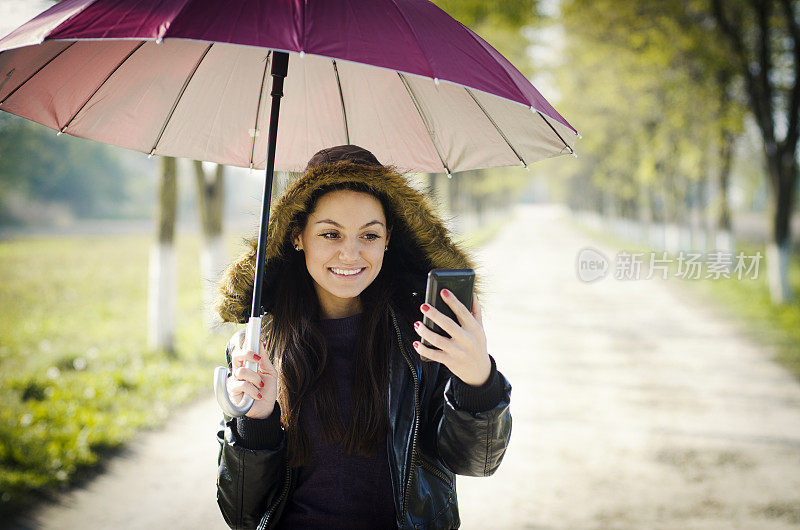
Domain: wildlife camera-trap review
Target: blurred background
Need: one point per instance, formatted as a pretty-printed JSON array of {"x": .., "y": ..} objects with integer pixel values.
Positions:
[{"x": 689, "y": 113}]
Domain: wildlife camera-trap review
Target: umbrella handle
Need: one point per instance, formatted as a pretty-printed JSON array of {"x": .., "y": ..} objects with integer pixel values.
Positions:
[
  {"x": 280, "y": 64},
  {"x": 221, "y": 373}
]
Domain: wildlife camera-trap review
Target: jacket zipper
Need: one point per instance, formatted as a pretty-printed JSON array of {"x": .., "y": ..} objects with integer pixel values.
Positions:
[
  {"x": 433, "y": 469},
  {"x": 280, "y": 498},
  {"x": 416, "y": 417}
]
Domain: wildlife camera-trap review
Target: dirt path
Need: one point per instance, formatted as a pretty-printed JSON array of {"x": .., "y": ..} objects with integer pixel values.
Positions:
[{"x": 633, "y": 407}]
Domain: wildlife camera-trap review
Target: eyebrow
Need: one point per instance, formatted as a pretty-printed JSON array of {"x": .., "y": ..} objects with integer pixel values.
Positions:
[{"x": 331, "y": 221}]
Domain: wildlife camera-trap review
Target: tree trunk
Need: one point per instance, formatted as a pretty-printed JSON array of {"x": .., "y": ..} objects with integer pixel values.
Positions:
[
  {"x": 162, "y": 288},
  {"x": 210, "y": 194},
  {"x": 645, "y": 216},
  {"x": 672, "y": 207},
  {"x": 698, "y": 205},
  {"x": 683, "y": 214},
  {"x": 430, "y": 188},
  {"x": 724, "y": 232},
  {"x": 783, "y": 183},
  {"x": 697, "y": 226},
  {"x": 609, "y": 216}
]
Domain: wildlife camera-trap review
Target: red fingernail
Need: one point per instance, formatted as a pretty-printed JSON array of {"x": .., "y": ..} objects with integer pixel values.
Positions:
[
  {"x": 416, "y": 344},
  {"x": 256, "y": 357},
  {"x": 425, "y": 307},
  {"x": 262, "y": 384},
  {"x": 417, "y": 324},
  {"x": 259, "y": 396},
  {"x": 445, "y": 293}
]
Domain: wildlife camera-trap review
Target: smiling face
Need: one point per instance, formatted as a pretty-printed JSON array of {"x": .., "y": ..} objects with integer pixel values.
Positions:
[{"x": 343, "y": 242}]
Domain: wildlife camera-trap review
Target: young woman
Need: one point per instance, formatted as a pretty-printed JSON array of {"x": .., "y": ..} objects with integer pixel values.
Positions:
[{"x": 349, "y": 427}]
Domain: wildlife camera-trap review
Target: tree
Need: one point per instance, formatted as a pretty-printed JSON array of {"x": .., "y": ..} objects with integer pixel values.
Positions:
[
  {"x": 210, "y": 195},
  {"x": 162, "y": 289},
  {"x": 659, "y": 121},
  {"x": 764, "y": 39}
]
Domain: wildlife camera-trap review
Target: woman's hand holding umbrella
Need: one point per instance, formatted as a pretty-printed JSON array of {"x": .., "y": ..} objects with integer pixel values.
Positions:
[
  {"x": 464, "y": 353},
  {"x": 261, "y": 386}
]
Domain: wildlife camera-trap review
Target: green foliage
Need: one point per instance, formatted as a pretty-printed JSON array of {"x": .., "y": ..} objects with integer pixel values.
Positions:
[
  {"x": 76, "y": 377},
  {"x": 501, "y": 23},
  {"x": 82, "y": 176},
  {"x": 654, "y": 94},
  {"x": 510, "y": 14}
]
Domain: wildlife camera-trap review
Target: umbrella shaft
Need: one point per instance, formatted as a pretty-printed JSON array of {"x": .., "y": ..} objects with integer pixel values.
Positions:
[{"x": 280, "y": 63}]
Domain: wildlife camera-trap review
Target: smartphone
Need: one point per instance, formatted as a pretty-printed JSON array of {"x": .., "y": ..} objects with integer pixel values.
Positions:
[{"x": 460, "y": 282}]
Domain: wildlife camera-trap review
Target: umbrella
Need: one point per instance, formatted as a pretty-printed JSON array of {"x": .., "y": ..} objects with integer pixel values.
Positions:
[{"x": 191, "y": 78}]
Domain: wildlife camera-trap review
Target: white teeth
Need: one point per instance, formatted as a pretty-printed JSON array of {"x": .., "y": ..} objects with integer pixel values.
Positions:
[{"x": 344, "y": 272}]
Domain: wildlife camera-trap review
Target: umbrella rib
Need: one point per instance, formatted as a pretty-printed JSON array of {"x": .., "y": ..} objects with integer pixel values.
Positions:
[
  {"x": 53, "y": 58},
  {"x": 258, "y": 108},
  {"x": 341, "y": 99},
  {"x": 180, "y": 95},
  {"x": 101, "y": 85},
  {"x": 495, "y": 126},
  {"x": 424, "y": 121},
  {"x": 540, "y": 113}
]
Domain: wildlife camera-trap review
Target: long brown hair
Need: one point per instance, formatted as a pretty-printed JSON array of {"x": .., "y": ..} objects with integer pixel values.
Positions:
[{"x": 297, "y": 347}]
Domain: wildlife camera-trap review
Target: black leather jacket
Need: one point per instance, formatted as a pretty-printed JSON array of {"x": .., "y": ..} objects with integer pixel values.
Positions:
[{"x": 430, "y": 440}]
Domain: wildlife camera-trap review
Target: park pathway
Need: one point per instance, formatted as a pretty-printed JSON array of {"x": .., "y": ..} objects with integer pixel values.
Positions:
[{"x": 633, "y": 406}]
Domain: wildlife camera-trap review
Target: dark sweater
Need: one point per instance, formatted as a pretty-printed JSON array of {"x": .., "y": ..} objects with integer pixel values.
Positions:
[{"x": 335, "y": 489}]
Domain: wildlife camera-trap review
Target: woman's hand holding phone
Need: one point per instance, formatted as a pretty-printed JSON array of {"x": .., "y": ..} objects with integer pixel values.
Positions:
[
  {"x": 464, "y": 353},
  {"x": 261, "y": 386}
]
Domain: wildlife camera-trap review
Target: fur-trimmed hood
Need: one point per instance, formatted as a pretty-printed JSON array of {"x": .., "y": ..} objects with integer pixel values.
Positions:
[{"x": 412, "y": 211}]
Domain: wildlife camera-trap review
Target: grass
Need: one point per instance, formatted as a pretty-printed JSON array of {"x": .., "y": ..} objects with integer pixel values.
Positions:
[
  {"x": 745, "y": 301},
  {"x": 76, "y": 377},
  {"x": 749, "y": 303}
]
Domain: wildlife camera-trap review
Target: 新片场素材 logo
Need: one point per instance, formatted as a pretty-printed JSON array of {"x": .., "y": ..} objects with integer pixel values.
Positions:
[{"x": 591, "y": 265}]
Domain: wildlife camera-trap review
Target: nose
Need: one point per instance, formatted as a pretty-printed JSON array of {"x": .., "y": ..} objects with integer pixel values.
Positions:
[{"x": 350, "y": 250}]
